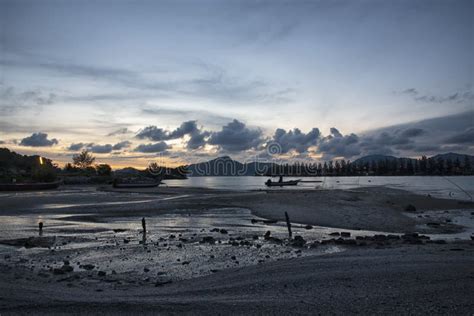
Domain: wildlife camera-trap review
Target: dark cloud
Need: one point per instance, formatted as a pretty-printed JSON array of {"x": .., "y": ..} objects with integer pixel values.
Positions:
[
  {"x": 121, "y": 145},
  {"x": 97, "y": 148},
  {"x": 412, "y": 132},
  {"x": 235, "y": 136},
  {"x": 197, "y": 140},
  {"x": 189, "y": 127},
  {"x": 153, "y": 133},
  {"x": 466, "y": 137},
  {"x": 77, "y": 146},
  {"x": 295, "y": 139},
  {"x": 101, "y": 149},
  {"x": 338, "y": 145},
  {"x": 197, "y": 136},
  {"x": 38, "y": 140},
  {"x": 152, "y": 148}
]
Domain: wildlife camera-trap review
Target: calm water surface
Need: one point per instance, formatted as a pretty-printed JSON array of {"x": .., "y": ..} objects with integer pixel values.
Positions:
[{"x": 446, "y": 187}]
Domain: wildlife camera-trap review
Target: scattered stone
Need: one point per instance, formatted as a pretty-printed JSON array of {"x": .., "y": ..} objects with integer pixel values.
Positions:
[
  {"x": 208, "y": 240},
  {"x": 146, "y": 270},
  {"x": 87, "y": 266},
  {"x": 298, "y": 241},
  {"x": 161, "y": 283},
  {"x": 215, "y": 230},
  {"x": 64, "y": 269},
  {"x": 410, "y": 208},
  {"x": 101, "y": 273},
  {"x": 233, "y": 258}
]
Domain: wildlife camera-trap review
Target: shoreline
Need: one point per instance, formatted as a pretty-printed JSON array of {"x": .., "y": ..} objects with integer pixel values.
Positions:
[{"x": 198, "y": 241}]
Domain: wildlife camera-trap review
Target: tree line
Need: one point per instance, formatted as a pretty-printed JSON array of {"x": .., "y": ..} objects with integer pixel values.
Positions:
[{"x": 385, "y": 167}]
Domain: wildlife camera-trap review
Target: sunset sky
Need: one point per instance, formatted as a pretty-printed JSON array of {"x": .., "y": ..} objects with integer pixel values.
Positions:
[{"x": 184, "y": 81}]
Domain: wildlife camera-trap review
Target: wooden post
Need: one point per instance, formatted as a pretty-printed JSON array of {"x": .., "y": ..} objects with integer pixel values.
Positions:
[
  {"x": 288, "y": 224},
  {"x": 144, "y": 229},
  {"x": 40, "y": 226}
]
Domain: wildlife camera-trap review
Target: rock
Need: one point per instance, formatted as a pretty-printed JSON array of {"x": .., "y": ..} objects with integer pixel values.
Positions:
[
  {"x": 308, "y": 227},
  {"x": 64, "y": 269},
  {"x": 146, "y": 270},
  {"x": 346, "y": 234},
  {"x": 126, "y": 241},
  {"x": 334, "y": 234},
  {"x": 185, "y": 263},
  {"x": 298, "y": 241},
  {"x": 101, "y": 273},
  {"x": 87, "y": 266},
  {"x": 255, "y": 237},
  {"x": 223, "y": 231},
  {"x": 215, "y": 230},
  {"x": 267, "y": 234},
  {"x": 161, "y": 283},
  {"x": 208, "y": 240},
  {"x": 233, "y": 258},
  {"x": 410, "y": 208}
]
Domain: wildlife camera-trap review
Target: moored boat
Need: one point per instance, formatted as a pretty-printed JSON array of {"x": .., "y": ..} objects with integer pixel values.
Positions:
[
  {"x": 270, "y": 183},
  {"x": 29, "y": 186}
]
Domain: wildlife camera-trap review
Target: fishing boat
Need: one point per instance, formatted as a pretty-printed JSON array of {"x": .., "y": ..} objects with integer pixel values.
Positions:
[
  {"x": 29, "y": 186},
  {"x": 270, "y": 183}
]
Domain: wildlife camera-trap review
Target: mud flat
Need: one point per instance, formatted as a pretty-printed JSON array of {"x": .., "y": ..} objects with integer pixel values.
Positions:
[{"x": 214, "y": 252}]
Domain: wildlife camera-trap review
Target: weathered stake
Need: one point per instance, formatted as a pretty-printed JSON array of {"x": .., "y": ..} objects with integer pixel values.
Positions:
[
  {"x": 144, "y": 229},
  {"x": 40, "y": 226},
  {"x": 288, "y": 224}
]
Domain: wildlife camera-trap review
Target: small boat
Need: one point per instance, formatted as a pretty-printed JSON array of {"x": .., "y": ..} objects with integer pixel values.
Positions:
[
  {"x": 29, "y": 186},
  {"x": 270, "y": 183}
]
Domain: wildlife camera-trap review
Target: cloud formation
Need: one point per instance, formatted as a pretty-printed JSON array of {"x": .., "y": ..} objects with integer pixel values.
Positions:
[
  {"x": 98, "y": 148},
  {"x": 197, "y": 136},
  {"x": 235, "y": 136},
  {"x": 38, "y": 140},
  {"x": 457, "y": 97},
  {"x": 295, "y": 139},
  {"x": 159, "y": 147}
]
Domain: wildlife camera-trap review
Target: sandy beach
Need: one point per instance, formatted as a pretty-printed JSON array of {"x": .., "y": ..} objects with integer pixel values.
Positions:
[{"x": 214, "y": 252}]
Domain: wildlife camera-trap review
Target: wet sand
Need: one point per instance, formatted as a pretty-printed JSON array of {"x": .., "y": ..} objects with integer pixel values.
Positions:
[{"x": 206, "y": 252}]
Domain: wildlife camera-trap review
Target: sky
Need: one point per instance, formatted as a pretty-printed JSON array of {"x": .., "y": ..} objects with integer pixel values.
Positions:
[{"x": 184, "y": 81}]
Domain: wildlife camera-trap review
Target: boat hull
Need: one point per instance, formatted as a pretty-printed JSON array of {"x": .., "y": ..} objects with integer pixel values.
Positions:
[
  {"x": 282, "y": 184},
  {"x": 29, "y": 186}
]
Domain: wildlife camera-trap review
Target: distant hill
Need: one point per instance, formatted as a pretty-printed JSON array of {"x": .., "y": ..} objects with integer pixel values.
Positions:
[
  {"x": 378, "y": 158},
  {"x": 221, "y": 166},
  {"x": 226, "y": 166},
  {"x": 453, "y": 157}
]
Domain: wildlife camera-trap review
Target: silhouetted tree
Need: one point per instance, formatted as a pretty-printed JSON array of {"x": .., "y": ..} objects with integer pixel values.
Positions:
[{"x": 83, "y": 160}]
